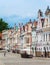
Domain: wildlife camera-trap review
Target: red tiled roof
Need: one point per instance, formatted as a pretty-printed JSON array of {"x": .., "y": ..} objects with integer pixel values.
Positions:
[{"x": 35, "y": 23}]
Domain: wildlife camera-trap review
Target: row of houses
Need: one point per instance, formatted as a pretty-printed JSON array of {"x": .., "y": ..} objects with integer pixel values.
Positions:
[
  {"x": 41, "y": 35},
  {"x": 34, "y": 34},
  {"x": 14, "y": 38}
]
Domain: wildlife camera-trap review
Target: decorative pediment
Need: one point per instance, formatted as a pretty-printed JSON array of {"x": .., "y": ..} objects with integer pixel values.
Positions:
[
  {"x": 47, "y": 11},
  {"x": 45, "y": 22}
]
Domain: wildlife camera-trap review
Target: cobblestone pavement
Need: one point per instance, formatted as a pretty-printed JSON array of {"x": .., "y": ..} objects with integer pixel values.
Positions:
[{"x": 15, "y": 59}]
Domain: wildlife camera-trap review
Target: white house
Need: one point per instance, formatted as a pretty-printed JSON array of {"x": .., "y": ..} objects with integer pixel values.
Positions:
[{"x": 34, "y": 37}]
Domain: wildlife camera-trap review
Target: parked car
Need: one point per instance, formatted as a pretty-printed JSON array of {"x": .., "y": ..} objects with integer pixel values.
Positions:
[
  {"x": 26, "y": 53},
  {"x": 1, "y": 49},
  {"x": 14, "y": 50},
  {"x": 6, "y": 48},
  {"x": 18, "y": 51}
]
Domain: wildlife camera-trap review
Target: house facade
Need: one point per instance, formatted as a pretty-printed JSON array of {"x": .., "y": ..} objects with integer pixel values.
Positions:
[
  {"x": 42, "y": 47},
  {"x": 7, "y": 38},
  {"x": 1, "y": 44},
  {"x": 46, "y": 33},
  {"x": 34, "y": 37},
  {"x": 26, "y": 36}
]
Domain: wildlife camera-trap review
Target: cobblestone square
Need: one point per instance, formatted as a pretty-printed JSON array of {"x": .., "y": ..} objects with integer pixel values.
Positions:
[{"x": 15, "y": 59}]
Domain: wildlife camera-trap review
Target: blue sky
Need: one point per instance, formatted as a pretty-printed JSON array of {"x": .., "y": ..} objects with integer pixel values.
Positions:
[{"x": 22, "y": 8}]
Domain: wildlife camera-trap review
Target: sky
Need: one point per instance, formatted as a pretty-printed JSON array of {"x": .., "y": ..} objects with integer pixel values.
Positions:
[{"x": 22, "y": 8}]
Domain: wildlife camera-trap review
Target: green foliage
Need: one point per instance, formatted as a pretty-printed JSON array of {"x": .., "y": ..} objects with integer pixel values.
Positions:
[{"x": 3, "y": 25}]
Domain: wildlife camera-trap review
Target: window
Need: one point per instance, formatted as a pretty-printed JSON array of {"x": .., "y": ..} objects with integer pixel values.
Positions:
[
  {"x": 27, "y": 40},
  {"x": 44, "y": 37},
  {"x": 47, "y": 48},
  {"x": 39, "y": 49},
  {"x": 49, "y": 37},
  {"x": 44, "y": 48}
]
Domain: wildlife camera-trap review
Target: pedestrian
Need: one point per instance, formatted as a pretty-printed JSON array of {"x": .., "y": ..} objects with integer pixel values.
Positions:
[{"x": 4, "y": 53}]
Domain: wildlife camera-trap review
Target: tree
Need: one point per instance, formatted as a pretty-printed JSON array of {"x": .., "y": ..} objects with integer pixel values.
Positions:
[{"x": 3, "y": 25}]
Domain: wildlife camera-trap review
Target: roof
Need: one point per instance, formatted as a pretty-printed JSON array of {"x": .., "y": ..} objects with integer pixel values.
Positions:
[
  {"x": 47, "y": 10},
  {"x": 35, "y": 23}
]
